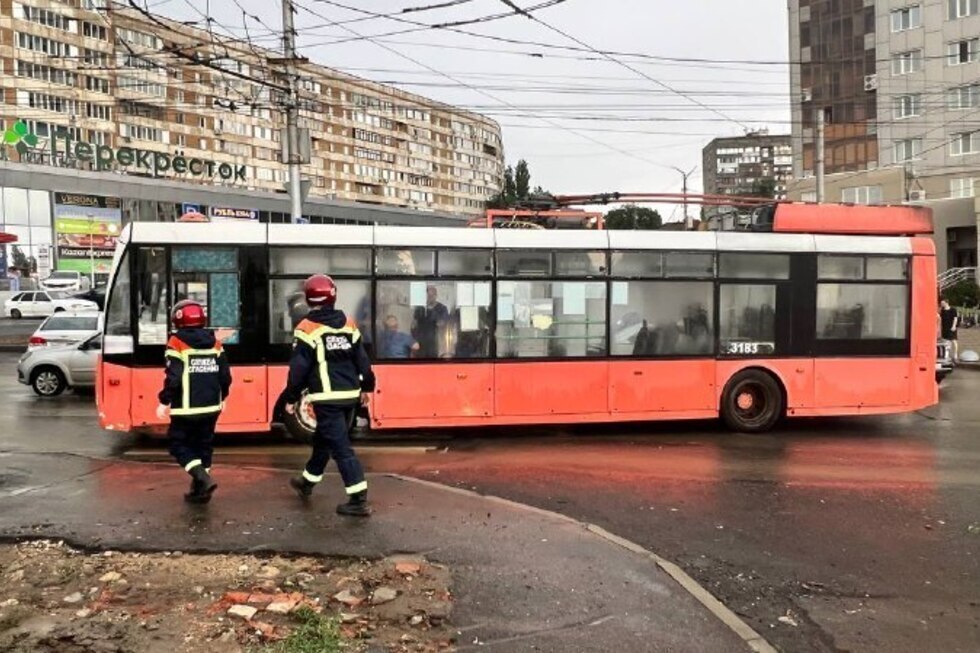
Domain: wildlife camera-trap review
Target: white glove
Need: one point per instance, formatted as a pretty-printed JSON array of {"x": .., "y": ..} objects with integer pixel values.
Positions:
[
  {"x": 291, "y": 409},
  {"x": 162, "y": 412}
]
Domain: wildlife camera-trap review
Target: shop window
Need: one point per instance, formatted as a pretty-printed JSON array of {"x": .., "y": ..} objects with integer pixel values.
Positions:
[
  {"x": 431, "y": 319},
  {"x": 662, "y": 318},
  {"x": 544, "y": 319}
]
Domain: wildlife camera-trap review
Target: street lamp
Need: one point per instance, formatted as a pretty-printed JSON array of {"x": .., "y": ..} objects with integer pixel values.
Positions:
[{"x": 688, "y": 223}]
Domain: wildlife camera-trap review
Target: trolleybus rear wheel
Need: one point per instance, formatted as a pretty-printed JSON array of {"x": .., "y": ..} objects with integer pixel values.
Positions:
[{"x": 752, "y": 402}]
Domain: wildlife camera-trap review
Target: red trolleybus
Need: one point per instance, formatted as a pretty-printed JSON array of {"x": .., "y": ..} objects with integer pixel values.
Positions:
[{"x": 476, "y": 327}]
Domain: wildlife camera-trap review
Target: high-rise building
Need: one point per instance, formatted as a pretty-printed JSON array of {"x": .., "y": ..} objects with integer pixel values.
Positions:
[
  {"x": 898, "y": 82},
  {"x": 754, "y": 164},
  {"x": 104, "y": 75}
]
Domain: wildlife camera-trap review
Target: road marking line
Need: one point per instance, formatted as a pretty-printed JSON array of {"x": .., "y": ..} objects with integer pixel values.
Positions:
[{"x": 752, "y": 639}]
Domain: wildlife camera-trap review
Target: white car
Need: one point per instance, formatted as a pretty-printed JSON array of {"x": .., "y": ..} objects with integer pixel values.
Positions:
[
  {"x": 52, "y": 370},
  {"x": 65, "y": 328},
  {"x": 67, "y": 280},
  {"x": 40, "y": 303}
]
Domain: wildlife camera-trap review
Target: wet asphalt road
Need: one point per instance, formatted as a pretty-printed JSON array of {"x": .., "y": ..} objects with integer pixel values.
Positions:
[{"x": 862, "y": 534}]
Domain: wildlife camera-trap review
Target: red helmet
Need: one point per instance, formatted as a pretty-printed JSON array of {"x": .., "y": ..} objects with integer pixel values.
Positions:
[
  {"x": 188, "y": 314},
  {"x": 320, "y": 290}
]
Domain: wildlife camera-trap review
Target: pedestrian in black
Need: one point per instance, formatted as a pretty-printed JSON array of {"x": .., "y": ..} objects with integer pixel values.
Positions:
[
  {"x": 949, "y": 320},
  {"x": 329, "y": 362},
  {"x": 195, "y": 388}
]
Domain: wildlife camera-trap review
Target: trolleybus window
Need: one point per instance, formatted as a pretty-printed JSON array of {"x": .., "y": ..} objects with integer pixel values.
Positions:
[
  {"x": 753, "y": 266},
  {"x": 118, "y": 320},
  {"x": 553, "y": 319},
  {"x": 210, "y": 276},
  {"x": 152, "y": 303},
  {"x": 689, "y": 264},
  {"x": 662, "y": 318},
  {"x": 856, "y": 300},
  {"x": 290, "y": 266},
  {"x": 524, "y": 263},
  {"x": 580, "y": 264},
  {"x": 407, "y": 262},
  {"x": 465, "y": 263},
  {"x": 638, "y": 264},
  {"x": 747, "y": 316}
]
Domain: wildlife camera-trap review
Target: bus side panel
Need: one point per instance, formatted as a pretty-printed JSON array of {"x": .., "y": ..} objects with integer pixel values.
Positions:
[
  {"x": 276, "y": 376},
  {"x": 925, "y": 390},
  {"x": 795, "y": 374},
  {"x": 114, "y": 387},
  {"x": 440, "y": 390},
  {"x": 246, "y": 406},
  {"x": 559, "y": 388},
  {"x": 247, "y": 403},
  {"x": 842, "y": 382},
  {"x": 637, "y": 386}
]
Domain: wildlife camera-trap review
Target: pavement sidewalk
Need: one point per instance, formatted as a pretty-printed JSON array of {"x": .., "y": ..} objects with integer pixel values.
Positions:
[{"x": 523, "y": 579}]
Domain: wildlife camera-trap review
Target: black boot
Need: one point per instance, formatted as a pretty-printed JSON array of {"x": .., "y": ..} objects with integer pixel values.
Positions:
[
  {"x": 303, "y": 487},
  {"x": 356, "y": 506},
  {"x": 205, "y": 486}
]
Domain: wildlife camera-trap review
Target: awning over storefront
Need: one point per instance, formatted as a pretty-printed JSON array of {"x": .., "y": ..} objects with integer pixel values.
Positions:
[{"x": 7, "y": 238}]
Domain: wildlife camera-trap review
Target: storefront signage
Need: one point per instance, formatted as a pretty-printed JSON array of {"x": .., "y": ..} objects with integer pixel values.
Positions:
[
  {"x": 219, "y": 213},
  {"x": 66, "y": 151},
  {"x": 86, "y": 228}
]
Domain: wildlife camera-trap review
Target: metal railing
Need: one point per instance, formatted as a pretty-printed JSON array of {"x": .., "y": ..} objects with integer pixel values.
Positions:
[{"x": 953, "y": 276}]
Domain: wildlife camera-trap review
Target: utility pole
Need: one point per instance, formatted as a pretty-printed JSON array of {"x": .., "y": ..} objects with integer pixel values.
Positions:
[
  {"x": 820, "y": 154},
  {"x": 688, "y": 222},
  {"x": 292, "y": 113}
]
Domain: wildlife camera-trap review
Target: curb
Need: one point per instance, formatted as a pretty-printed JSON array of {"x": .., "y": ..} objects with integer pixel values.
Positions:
[
  {"x": 13, "y": 349},
  {"x": 732, "y": 621}
]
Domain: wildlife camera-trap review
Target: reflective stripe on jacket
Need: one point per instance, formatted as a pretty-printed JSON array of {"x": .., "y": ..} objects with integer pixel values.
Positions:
[
  {"x": 328, "y": 360},
  {"x": 198, "y": 378}
]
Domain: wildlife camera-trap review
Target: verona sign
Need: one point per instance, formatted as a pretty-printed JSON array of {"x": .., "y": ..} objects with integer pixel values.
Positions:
[{"x": 63, "y": 150}]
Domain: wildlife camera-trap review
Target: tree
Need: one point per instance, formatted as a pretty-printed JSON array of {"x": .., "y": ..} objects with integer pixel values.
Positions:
[
  {"x": 765, "y": 187},
  {"x": 965, "y": 294},
  {"x": 516, "y": 190},
  {"x": 631, "y": 216},
  {"x": 20, "y": 260}
]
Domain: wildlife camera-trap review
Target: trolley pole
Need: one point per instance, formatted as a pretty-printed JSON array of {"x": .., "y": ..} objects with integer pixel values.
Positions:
[
  {"x": 292, "y": 113},
  {"x": 819, "y": 163}
]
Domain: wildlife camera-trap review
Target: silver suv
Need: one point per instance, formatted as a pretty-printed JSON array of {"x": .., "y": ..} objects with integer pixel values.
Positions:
[{"x": 52, "y": 370}]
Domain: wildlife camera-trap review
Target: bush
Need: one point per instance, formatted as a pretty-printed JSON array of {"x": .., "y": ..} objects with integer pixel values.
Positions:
[{"x": 965, "y": 293}]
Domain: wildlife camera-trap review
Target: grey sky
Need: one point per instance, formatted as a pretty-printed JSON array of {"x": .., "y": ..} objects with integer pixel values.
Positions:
[{"x": 567, "y": 85}]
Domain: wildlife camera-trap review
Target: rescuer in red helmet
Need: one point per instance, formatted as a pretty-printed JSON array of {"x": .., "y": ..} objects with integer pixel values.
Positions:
[
  {"x": 194, "y": 392},
  {"x": 329, "y": 362}
]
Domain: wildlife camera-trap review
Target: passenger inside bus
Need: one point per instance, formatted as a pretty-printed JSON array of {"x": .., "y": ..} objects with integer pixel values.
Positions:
[
  {"x": 394, "y": 343},
  {"x": 429, "y": 324}
]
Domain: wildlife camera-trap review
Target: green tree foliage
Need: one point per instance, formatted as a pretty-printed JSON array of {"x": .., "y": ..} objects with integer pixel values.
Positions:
[
  {"x": 517, "y": 188},
  {"x": 631, "y": 216},
  {"x": 966, "y": 293},
  {"x": 765, "y": 187}
]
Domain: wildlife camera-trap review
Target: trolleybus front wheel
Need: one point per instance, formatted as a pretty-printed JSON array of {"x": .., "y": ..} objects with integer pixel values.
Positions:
[{"x": 752, "y": 402}]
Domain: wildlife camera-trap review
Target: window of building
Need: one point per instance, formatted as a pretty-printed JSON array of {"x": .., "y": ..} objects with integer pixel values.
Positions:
[
  {"x": 907, "y": 149},
  {"x": 93, "y": 31},
  {"x": 961, "y": 52},
  {"x": 142, "y": 39},
  {"x": 45, "y": 73},
  {"x": 861, "y": 195},
  {"x": 47, "y": 46},
  {"x": 961, "y": 8},
  {"x": 904, "y": 63},
  {"x": 96, "y": 84},
  {"x": 907, "y": 106},
  {"x": 140, "y": 85},
  {"x": 963, "y": 97},
  {"x": 962, "y": 187},
  {"x": 98, "y": 111},
  {"x": 44, "y": 17},
  {"x": 964, "y": 143},
  {"x": 906, "y": 18},
  {"x": 662, "y": 318}
]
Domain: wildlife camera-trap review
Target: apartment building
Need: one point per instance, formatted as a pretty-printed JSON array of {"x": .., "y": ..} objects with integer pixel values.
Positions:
[
  {"x": 110, "y": 90},
  {"x": 757, "y": 163}
]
